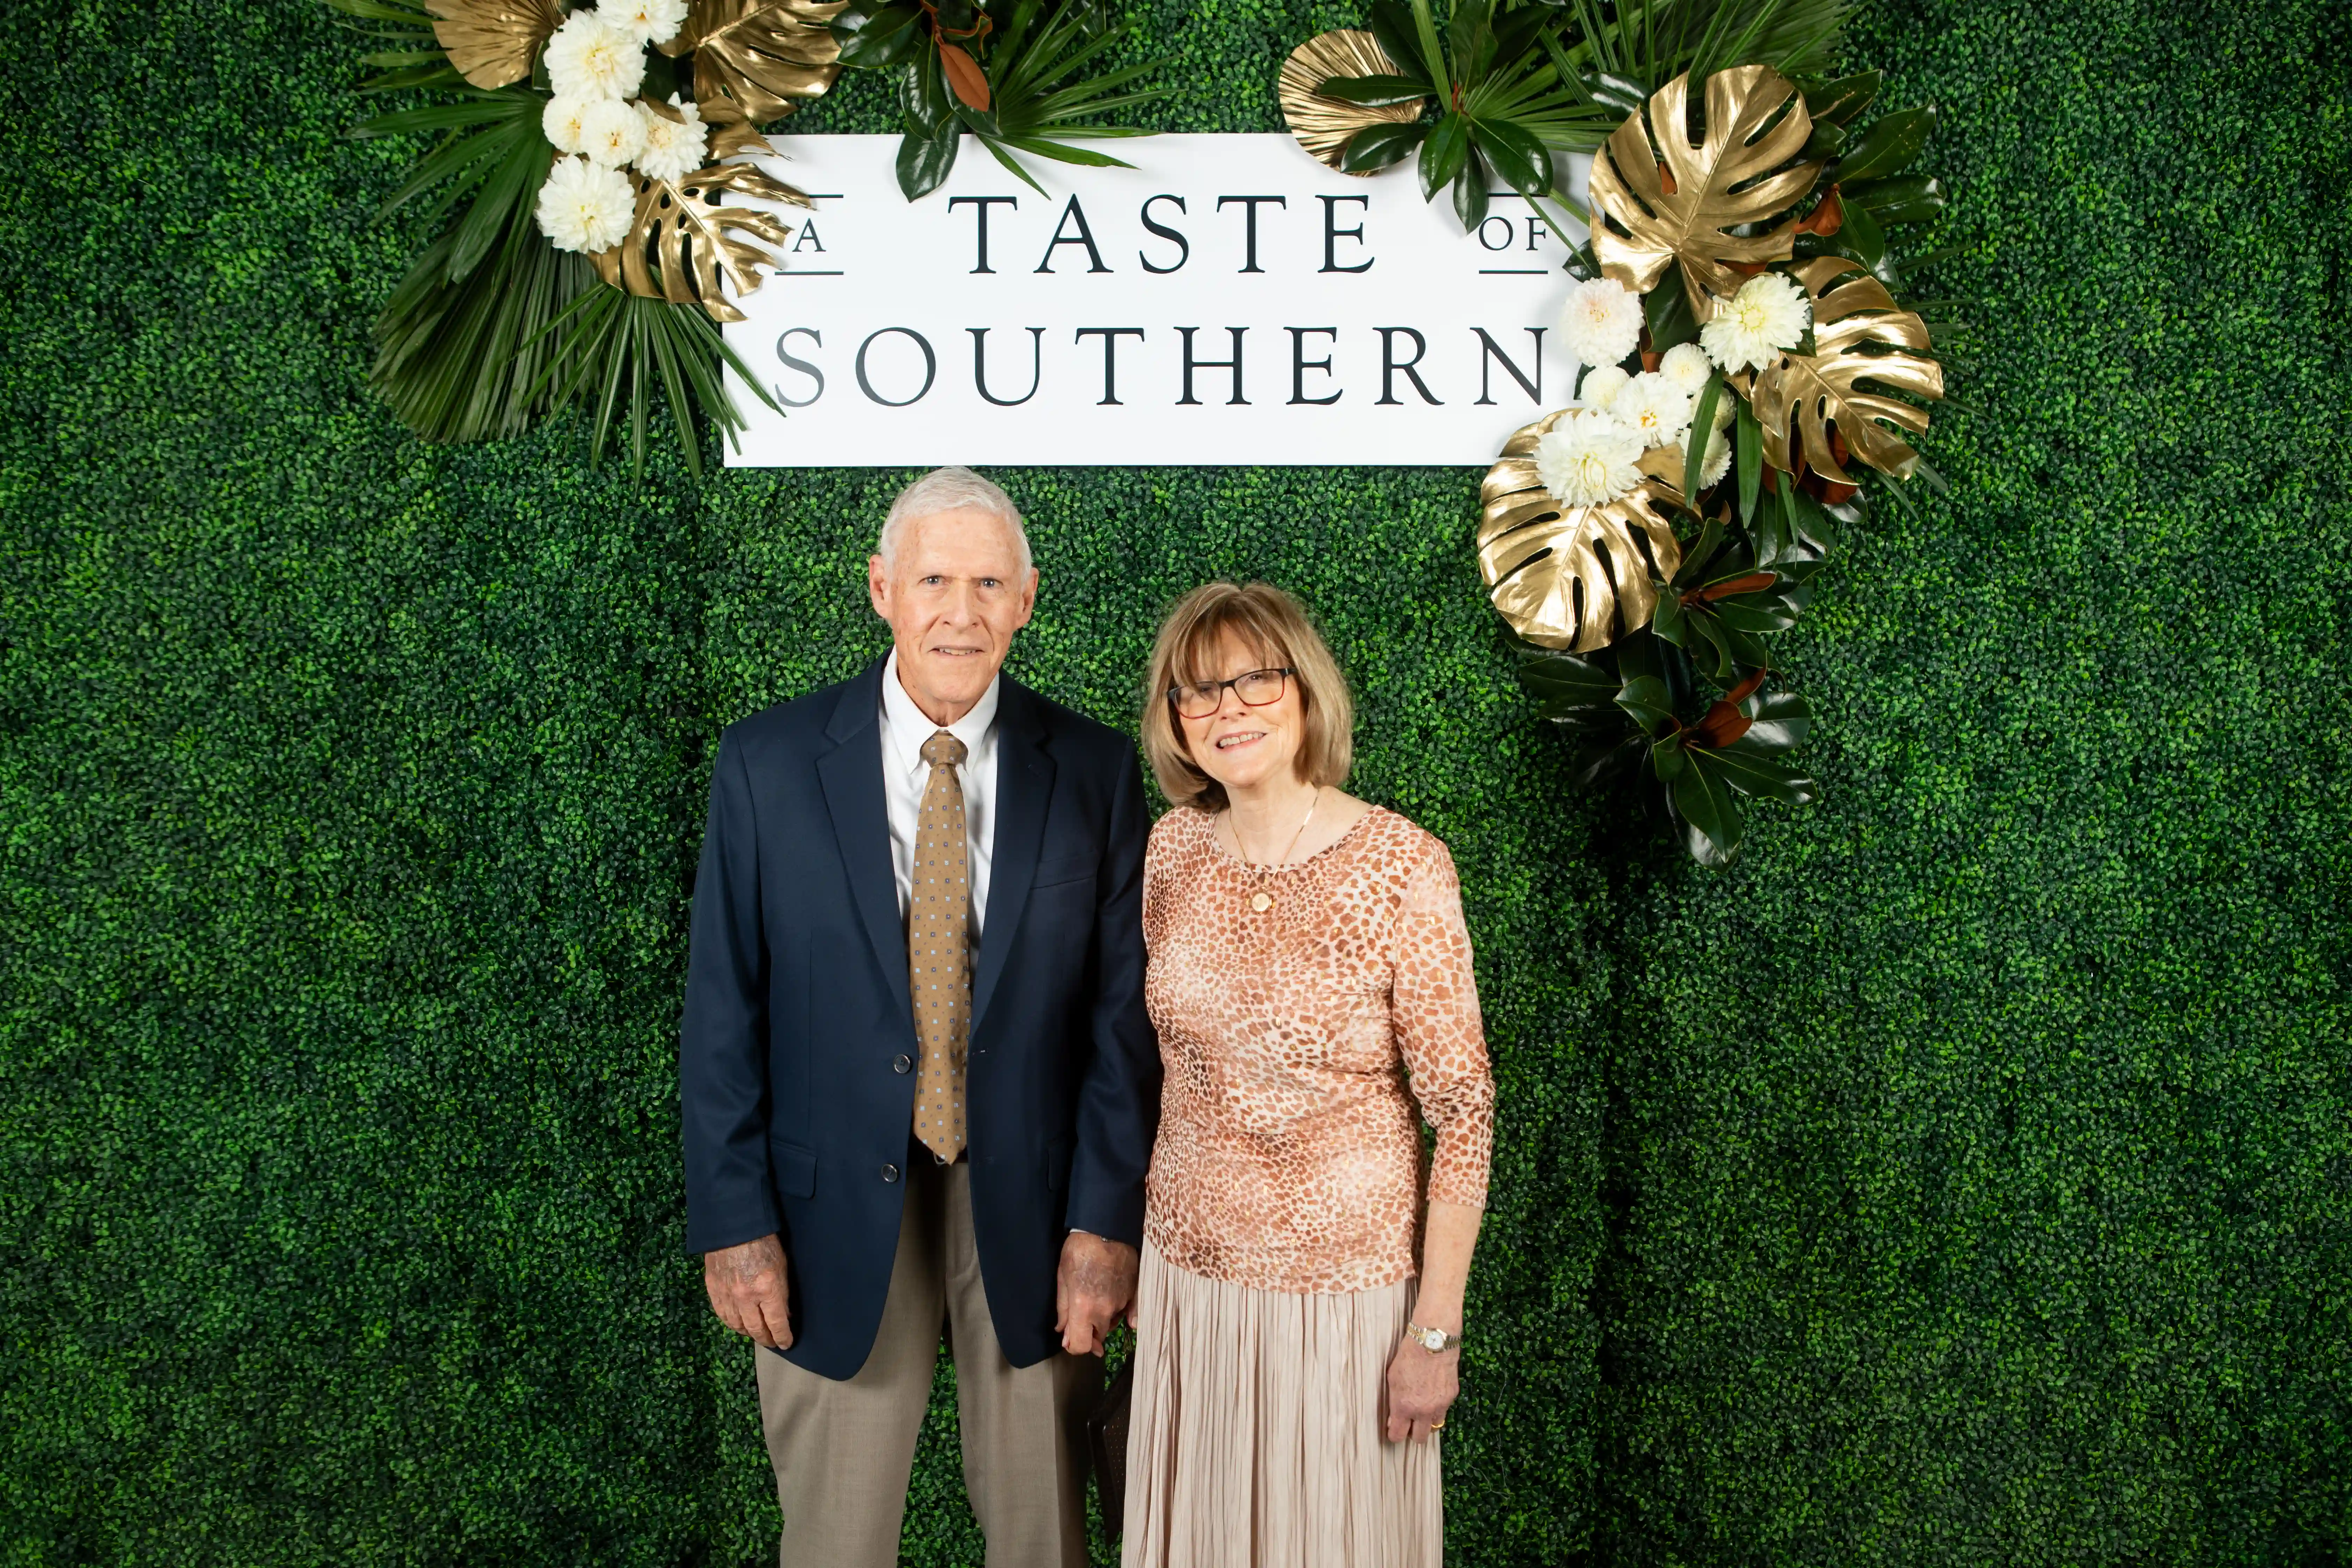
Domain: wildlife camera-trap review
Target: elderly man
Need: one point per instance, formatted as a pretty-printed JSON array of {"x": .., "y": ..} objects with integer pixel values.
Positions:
[{"x": 918, "y": 1083}]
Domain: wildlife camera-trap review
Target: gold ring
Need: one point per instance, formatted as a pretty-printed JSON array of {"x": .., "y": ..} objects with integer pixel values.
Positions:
[{"x": 1438, "y": 1426}]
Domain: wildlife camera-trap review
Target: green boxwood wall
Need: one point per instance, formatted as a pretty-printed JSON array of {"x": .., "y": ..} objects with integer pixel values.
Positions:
[{"x": 1963, "y": 1179}]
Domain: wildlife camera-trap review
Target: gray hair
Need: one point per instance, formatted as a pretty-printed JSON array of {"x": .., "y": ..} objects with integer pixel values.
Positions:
[{"x": 950, "y": 490}]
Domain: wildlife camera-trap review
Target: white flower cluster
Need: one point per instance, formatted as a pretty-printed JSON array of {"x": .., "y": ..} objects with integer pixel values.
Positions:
[
  {"x": 1601, "y": 324},
  {"x": 1594, "y": 455},
  {"x": 595, "y": 63}
]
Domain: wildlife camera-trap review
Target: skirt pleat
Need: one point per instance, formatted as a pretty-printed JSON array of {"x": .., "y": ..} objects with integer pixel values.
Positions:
[{"x": 1254, "y": 1440}]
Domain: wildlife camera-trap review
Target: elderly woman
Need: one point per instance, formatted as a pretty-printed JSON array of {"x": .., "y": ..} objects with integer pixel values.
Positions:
[{"x": 1308, "y": 962}]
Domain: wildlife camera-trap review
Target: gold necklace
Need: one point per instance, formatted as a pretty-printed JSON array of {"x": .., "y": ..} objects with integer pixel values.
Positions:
[{"x": 1262, "y": 900}]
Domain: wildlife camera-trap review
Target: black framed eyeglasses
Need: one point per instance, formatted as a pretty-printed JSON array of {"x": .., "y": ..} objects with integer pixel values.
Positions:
[{"x": 1255, "y": 687}]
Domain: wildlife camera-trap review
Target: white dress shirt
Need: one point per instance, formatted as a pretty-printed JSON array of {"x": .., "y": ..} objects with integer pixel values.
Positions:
[{"x": 904, "y": 774}]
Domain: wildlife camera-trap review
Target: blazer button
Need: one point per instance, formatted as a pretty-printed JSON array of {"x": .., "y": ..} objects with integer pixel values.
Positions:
[
  {"x": 902, "y": 1064},
  {"x": 890, "y": 1173}
]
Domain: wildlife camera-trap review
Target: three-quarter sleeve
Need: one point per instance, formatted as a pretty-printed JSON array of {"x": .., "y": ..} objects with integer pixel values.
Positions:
[{"x": 1434, "y": 1001}]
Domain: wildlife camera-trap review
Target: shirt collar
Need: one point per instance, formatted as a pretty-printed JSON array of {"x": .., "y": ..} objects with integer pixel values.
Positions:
[{"x": 909, "y": 727}]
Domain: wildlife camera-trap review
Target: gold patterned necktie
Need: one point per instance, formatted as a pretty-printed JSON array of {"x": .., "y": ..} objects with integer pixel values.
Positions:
[{"x": 939, "y": 962}]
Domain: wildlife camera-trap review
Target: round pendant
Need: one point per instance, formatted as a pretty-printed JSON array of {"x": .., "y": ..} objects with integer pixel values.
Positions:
[{"x": 1261, "y": 903}]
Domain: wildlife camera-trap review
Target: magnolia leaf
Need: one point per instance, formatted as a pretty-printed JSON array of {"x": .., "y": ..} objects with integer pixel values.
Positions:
[
  {"x": 493, "y": 42},
  {"x": 1710, "y": 817},
  {"x": 1569, "y": 577},
  {"x": 1752, "y": 772},
  {"x": 964, "y": 76},
  {"x": 1724, "y": 182},
  {"x": 1323, "y": 125},
  {"x": 1779, "y": 721},
  {"x": 1564, "y": 683},
  {"x": 1802, "y": 394},
  {"x": 682, "y": 243},
  {"x": 754, "y": 60}
]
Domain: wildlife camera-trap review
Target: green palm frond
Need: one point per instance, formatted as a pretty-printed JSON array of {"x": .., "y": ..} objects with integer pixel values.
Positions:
[{"x": 614, "y": 348}]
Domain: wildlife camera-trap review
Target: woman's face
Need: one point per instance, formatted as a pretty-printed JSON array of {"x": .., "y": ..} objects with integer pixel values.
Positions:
[{"x": 1239, "y": 745}]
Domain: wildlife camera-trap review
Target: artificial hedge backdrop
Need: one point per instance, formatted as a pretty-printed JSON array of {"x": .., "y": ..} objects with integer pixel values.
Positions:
[{"x": 1963, "y": 1178}]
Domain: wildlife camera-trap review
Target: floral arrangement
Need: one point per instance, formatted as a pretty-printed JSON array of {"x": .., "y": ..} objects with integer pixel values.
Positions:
[
  {"x": 1746, "y": 350},
  {"x": 592, "y": 209}
]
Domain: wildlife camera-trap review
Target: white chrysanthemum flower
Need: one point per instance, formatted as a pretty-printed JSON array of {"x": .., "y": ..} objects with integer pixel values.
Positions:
[
  {"x": 1600, "y": 323},
  {"x": 585, "y": 208},
  {"x": 612, "y": 132},
  {"x": 1686, "y": 369},
  {"x": 647, "y": 21},
  {"x": 560, "y": 120},
  {"x": 1717, "y": 461},
  {"x": 590, "y": 57},
  {"x": 1652, "y": 408},
  {"x": 1602, "y": 385},
  {"x": 672, "y": 151},
  {"x": 1726, "y": 404},
  {"x": 1753, "y": 328},
  {"x": 1588, "y": 459}
]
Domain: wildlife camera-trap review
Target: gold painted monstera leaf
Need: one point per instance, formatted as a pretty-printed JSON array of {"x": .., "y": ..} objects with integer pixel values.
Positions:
[
  {"x": 1801, "y": 395},
  {"x": 754, "y": 60},
  {"x": 1323, "y": 125},
  {"x": 493, "y": 42},
  {"x": 1565, "y": 576},
  {"x": 683, "y": 241},
  {"x": 1725, "y": 180}
]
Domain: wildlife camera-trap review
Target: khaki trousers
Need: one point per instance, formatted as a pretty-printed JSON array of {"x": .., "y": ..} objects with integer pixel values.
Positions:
[{"x": 843, "y": 1451}]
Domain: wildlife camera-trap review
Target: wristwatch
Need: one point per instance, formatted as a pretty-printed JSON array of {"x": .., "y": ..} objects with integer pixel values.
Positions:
[{"x": 1433, "y": 1341}]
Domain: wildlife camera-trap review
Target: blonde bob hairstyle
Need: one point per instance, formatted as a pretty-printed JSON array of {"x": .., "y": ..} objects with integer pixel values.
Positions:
[{"x": 1277, "y": 628}]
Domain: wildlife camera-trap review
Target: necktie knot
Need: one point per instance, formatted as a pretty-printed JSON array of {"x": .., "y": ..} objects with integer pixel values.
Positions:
[{"x": 943, "y": 751}]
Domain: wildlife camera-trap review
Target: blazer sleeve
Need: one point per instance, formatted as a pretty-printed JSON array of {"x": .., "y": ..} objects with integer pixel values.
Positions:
[
  {"x": 723, "y": 1037},
  {"x": 1118, "y": 1103}
]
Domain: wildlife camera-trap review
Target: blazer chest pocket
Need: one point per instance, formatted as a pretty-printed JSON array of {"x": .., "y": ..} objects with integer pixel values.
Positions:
[{"x": 795, "y": 1169}]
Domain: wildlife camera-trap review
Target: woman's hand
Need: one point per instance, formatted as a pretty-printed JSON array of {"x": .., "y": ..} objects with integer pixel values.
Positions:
[{"x": 1422, "y": 1385}]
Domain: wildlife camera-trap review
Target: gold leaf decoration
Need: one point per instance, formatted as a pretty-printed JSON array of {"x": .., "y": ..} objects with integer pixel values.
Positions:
[
  {"x": 1544, "y": 564},
  {"x": 1802, "y": 394},
  {"x": 754, "y": 60},
  {"x": 1718, "y": 183},
  {"x": 1324, "y": 124},
  {"x": 682, "y": 242},
  {"x": 493, "y": 42}
]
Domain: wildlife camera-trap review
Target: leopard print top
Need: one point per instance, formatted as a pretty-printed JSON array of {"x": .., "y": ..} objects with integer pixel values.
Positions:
[{"x": 1289, "y": 1154}]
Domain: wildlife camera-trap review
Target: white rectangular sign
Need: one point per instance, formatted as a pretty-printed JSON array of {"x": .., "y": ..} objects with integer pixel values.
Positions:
[{"x": 1227, "y": 301}]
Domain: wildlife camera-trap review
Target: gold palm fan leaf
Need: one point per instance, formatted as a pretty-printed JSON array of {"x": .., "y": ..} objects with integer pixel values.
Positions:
[
  {"x": 1727, "y": 179},
  {"x": 1323, "y": 125},
  {"x": 1573, "y": 577},
  {"x": 755, "y": 60},
  {"x": 683, "y": 245},
  {"x": 493, "y": 42},
  {"x": 1802, "y": 394}
]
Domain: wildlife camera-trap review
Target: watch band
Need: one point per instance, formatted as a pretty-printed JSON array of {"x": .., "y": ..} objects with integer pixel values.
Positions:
[{"x": 1435, "y": 1341}]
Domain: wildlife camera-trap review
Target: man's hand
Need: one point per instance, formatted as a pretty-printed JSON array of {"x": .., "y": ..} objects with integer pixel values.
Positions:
[
  {"x": 747, "y": 1289},
  {"x": 1095, "y": 1284},
  {"x": 1422, "y": 1388}
]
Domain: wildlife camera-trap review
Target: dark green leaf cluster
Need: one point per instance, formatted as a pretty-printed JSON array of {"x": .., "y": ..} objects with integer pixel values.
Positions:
[
  {"x": 1636, "y": 705},
  {"x": 1510, "y": 81},
  {"x": 1014, "y": 83},
  {"x": 492, "y": 330}
]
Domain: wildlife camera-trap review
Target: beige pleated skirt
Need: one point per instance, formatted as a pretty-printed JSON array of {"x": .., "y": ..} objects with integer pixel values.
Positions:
[{"x": 1255, "y": 1435}]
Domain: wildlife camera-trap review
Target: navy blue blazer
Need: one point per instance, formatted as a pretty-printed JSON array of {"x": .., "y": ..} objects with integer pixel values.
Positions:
[{"x": 798, "y": 1036}]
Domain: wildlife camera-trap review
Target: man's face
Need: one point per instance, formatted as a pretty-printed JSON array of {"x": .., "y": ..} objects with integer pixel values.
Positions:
[{"x": 953, "y": 597}]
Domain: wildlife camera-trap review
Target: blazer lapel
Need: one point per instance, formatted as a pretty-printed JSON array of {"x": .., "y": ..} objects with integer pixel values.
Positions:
[
  {"x": 851, "y": 776},
  {"x": 1024, "y": 783}
]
